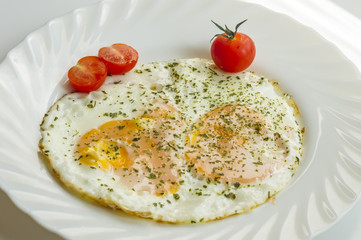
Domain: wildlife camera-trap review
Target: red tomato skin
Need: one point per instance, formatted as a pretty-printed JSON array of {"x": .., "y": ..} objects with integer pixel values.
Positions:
[
  {"x": 233, "y": 55},
  {"x": 119, "y": 58},
  {"x": 88, "y": 74}
]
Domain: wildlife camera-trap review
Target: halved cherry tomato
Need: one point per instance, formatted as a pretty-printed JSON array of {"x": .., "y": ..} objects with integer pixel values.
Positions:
[
  {"x": 120, "y": 58},
  {"x": 232, "y": 51},
  {"x": 88, "y": 74}
]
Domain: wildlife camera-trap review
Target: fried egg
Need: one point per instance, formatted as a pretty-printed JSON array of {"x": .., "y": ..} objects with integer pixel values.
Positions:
[{"x": 177, "y": 141}]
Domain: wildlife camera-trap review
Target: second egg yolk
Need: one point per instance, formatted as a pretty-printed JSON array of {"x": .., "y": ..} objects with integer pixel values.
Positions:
[{"x": 233, "y": 143}]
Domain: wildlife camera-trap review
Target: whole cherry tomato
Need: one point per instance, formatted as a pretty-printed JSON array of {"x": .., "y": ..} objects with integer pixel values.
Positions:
[
  {"x": 232, "y": 51},
  {"x": 88, "y": 74},
  {"x": 120, "y": 58}
]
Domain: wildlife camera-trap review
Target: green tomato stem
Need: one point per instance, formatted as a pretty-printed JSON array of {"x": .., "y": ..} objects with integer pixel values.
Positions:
[{"x": 229, "y": 33}]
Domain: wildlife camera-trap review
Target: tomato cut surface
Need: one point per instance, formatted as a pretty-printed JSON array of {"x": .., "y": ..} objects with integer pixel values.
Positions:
[
  {"x": 88, "y": 74},
  {"x": 119, "y": 58}
]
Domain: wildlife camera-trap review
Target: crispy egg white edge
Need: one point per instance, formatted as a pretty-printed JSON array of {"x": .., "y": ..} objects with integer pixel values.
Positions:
[{"x": 155, "y": 78}]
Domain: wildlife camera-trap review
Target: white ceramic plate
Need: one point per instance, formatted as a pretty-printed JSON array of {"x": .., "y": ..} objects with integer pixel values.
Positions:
[{"x": 323, "y": 82}]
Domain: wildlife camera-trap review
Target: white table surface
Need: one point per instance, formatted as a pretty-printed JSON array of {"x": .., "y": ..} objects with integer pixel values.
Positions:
[{"x": 21, "y": 17}]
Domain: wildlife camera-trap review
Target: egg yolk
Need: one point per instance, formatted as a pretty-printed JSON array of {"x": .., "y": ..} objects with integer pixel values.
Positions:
[
  {"x": 233, "y": 143},
  {"x": 142, "y": 151}
]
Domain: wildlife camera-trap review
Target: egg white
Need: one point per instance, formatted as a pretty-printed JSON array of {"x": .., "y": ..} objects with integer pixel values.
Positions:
[{"x": 194, "y": 87}]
